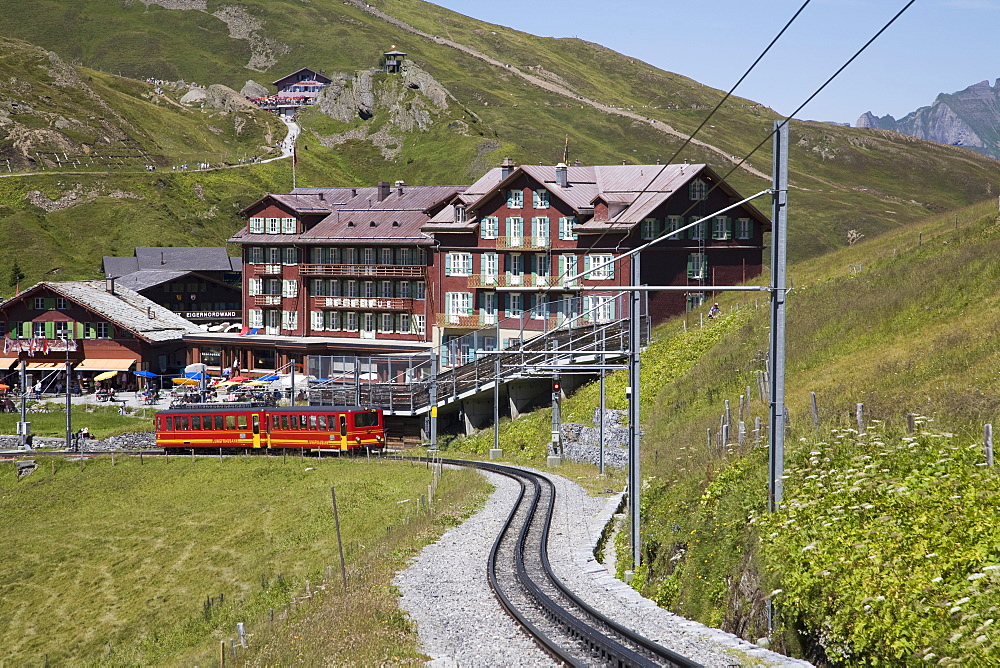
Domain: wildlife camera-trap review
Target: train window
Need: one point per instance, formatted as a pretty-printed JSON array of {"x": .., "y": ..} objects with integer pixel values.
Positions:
[
  {"x": 312, "y": 422},
  {"x": 196, "y": 422},
  {"x": 322, "y": 423},
  {"x": 366, "y": 419},
  {"x": 303, "y": 423},
  {"x": 242, "y": 421},
  {"x": 230, "y": 422},
  {"x": 170, "y": 422},
  {"x": 284, "y": 422},
  {"x": 182, "y": 423},
  {"x": 343, "y": 425},
  {"x": 206, "y": 422},
  {"x": 256, "y": 423},
  {"x": 218, "y": 422},
  {"x": 293, "y": 422}
]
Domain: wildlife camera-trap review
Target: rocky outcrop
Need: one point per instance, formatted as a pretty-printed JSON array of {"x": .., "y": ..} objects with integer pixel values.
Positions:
[
  {"x": 253, "y": 89},
  {"x": 194, "y": 96},
  {"x": 410, "y": 101},
  {"x": 222, "y": 97},
  {"x": 969, "y": 118}
]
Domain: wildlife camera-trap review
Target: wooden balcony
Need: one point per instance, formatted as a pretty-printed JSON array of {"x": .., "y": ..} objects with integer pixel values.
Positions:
[
  {"x": 511, "y": 281},
  {"x": 265, "y": 269},
  {"x": 267, "y": 300},
  {"x": 365, "y": 270},
  {"x": 362, "y": 303},
  {"x": 526, "y": 242},
  {"x": 457, "y": 321}
]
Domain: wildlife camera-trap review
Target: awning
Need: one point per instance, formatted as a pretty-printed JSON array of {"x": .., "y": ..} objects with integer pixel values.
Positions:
[
  {"x": 46, "y": 366},
  {"x": 96, "y": 364},
  {"x": 7, "y": 362}
]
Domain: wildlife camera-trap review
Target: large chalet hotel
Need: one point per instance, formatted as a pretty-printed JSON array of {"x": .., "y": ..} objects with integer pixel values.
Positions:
[{"x": 402, "y": 268}]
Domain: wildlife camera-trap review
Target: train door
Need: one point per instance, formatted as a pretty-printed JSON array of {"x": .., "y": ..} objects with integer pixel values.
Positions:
[
  {"x": 343, "y": 431},
  {"x": 255, "y": 423}
]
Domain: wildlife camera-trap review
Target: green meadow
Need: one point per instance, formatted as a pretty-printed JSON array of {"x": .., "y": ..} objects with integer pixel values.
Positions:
[{"x": 155, "y": 561}]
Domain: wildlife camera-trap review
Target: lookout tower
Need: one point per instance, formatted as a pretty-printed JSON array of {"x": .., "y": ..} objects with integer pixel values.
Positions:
[{"x": 393, "y": 60}]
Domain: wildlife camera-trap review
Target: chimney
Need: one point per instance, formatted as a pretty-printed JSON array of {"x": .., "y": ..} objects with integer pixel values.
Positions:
[
  {"x": 562, "y": 177},
  {"x": 163, "y": 259},
  {"x": 506, "y": 167},
  {"x": 383, "y": 190},
  {"x": 399, "y": 187},
  {"x": 109, "y": 285},
  {"x": 322, "y": 197}
]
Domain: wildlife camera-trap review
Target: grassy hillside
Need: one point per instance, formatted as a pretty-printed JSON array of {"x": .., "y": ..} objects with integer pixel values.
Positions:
[
  {"x": 843, "y": 179},
  {"x": 199, "y": 545}
]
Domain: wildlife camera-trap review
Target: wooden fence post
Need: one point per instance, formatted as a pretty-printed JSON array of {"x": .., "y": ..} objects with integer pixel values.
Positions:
[
  {"x": 911, "y": 423},
  {"x": 815, "y": 409},
  {"x": 860, "y": 415}
]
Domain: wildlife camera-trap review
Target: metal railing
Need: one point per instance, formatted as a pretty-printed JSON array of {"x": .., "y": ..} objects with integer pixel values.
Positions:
[{"x": 365, "y": 270}]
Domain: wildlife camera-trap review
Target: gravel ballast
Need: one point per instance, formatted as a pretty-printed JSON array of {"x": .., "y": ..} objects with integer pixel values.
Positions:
[{"x": 460, "y": 623}]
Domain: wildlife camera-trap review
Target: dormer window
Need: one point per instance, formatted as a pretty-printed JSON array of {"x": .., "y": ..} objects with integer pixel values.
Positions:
[
  {"x": 460, "y": 213},
  {"x": 698, "y": 190}
]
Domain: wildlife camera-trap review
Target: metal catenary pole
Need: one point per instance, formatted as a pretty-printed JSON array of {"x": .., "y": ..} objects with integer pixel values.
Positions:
[
  {"x": 433, "y": 401},
  {"x": 779, "y": 245},
  {"x": 69, "y": 402},
  {"x": 634, "y": 478}
]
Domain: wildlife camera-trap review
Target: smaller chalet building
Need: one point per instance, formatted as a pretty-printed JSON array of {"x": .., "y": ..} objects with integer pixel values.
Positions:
[
  {"x": 298, "y": 89},
  {"x": 401, "y": 269},
  {"x": 107, "y": 327},
  {"x": 203, "y": 285}
]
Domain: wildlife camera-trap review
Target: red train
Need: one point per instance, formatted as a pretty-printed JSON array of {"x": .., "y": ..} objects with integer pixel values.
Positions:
[{"x": 245, "y": 426}]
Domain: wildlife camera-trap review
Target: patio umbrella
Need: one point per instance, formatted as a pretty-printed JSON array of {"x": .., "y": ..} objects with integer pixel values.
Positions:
[
  {"x": 4, "y": 387},
  {"x": 195, "y": 375},
  {"x": 106, "y": 375},
  {"x": 267, "y": 379},
  {"x": 145, "y": 374},
  {"x": 239, "y": 379},
  {"x": 184, "y": 381}
]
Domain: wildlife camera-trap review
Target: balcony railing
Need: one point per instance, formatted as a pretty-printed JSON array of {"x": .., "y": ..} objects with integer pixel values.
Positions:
[
  {"x": 267, "y": 300},
  {"x": 363, "y": 303},
  {"x": 515, "y": 281},
  {"x": 449, "y": 320},
  {"x": 365, "y": 270},
  {"x": 525, "y": 242},
  {"x": 265, "y": 269}
]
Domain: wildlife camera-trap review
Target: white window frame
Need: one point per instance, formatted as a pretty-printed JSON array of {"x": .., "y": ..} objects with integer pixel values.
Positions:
[
  {"x": 698, "y": 190},
  {"x": 291, "y": 256},
  {"x": 489, "y": 268},
  {"x": 489, "y": 227},
  {"x": 419, "y": 289},
  {"x": 541, "y": 230},
  {"x": 273, "y": 255},
  {"x": 489, "y": 308},
  {"x": 515, "y": 268},
  {"x": 722, "y": 229},
  {"x": 566, "y": 224},
  {"x": 103, "y": 330},
  {"x": 419, "y": 324},
  {"x": 272, "y": 225},
  {"x": 458, "y": 264},
  {"x": 648, "y": 228},
  {"x": 290, "y": 320},
  {"x": 316, "y": 321},
  {"x": 515, "y": 304},
  {"x": 256, "y": 225},
  {"x": 744, "y": 228},
  {"x": 515, "y": 230},
  {"x": 404, "y": 324},
  {"x": 606, "y": 272},
  {"x": 385, "y": 256},
  {"x": 386, "y": 324},
  {"x": 289, "y": 287},
  {"x": 289, "y": 226},
  {"x": 568, "y": 269},
  {"x": 255, "y": 255},
  {"x": 255, "y": 286},
  {"x": 674, "y": 223},
  {"x": 352, "y": 322},
  {"x": 255, "y": 316},
  {"x": 540, "y": 198},
  {"x": 515, "y": 199}
]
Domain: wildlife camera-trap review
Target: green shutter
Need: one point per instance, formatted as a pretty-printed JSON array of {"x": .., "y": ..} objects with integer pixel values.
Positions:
[
  {"x": 25, "y": 330},
  {"x": 90, "y": 330},
  {"x": 729, "y": 227},
  {"x": 78, "y": 330},
  {"x": 111, "y": 332},
  {"x": 447, "y": 264},
  {"x": 586, "y": 266},
  {"x": 50, "y": 330}
]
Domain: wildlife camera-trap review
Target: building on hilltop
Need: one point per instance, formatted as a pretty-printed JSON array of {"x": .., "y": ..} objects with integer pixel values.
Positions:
[
  {"x": 202, "y": 284},
  {"x": 298, "y": 89},
  {"x": 107, "y": 327},
  {"x": 403, "y": 269}
]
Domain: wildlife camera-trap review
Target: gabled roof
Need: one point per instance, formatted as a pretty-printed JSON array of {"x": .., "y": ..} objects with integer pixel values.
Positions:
[
  {"x": 125, "y": 308},
  {"x": 312, "y": 203},
  {"x": 313, "y": 74},
  {"x": 352, "y": 211},
  {"x": 639, "y": 188}
]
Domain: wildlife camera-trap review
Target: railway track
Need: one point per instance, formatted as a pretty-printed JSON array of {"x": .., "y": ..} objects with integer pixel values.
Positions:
[{"x": 561, "y": 623}]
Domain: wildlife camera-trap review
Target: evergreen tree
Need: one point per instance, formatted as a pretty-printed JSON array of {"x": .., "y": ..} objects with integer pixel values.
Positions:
[{"x": 16, "y": 275}]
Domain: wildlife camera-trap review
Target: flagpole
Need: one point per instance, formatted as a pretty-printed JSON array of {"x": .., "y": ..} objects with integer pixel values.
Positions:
[{"x": 294, "y": 160}]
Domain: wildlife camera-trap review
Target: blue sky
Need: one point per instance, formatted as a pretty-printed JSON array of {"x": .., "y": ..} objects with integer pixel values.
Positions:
[{"x": 936, "y": 46}]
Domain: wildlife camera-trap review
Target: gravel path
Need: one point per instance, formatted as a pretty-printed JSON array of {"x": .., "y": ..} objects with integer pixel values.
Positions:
[{"x": 461, "y": 624}]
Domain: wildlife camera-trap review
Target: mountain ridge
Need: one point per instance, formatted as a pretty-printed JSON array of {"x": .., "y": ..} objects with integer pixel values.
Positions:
[{"x": 968, "y": 118}]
